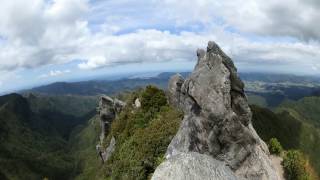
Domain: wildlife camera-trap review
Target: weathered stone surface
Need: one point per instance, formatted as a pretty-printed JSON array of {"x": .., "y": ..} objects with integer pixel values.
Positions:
[
  {"x": 109, "y": 150},
  {"x": 217, "y": 118},
  {"x": 175, "y": 84},
  {"x": 107, "y": 110},
  {"x": 193, "y": 166}
]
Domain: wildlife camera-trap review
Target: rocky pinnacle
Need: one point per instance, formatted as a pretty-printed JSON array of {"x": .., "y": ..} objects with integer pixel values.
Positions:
[
  {"x": 217, "y": 117},
  {"x": 108, "y": 109}
]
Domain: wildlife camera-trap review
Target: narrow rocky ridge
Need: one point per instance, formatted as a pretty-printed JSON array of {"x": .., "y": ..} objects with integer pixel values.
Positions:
[{"x": 217, "y": 120}]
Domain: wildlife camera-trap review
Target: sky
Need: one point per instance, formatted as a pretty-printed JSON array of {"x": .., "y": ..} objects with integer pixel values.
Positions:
[{"x": 43, "y": 41}]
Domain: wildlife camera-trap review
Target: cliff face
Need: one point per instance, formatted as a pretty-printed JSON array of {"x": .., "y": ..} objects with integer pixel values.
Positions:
[{"x": 217, "y": 118}]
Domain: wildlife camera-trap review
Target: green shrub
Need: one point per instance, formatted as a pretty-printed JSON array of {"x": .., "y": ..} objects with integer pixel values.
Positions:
[
  {"x": 152, "y": 99},
  {"x": 295, "y": 166},
  {"x": 142, "y": 135},
  {"x": 275, "y": 146}
]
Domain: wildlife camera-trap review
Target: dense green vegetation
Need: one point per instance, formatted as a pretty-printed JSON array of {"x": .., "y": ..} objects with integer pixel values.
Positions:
[
  {"x": 306, "y": 109},
  {"x": 296, "y": 166},
  {"x": 60, "y": 114},
  {"x": 257, "y": 100},
  {"x": 87, "y": 164},
  {"x": 142, "y": 135},
  {"x": 72, "y": 105},
  {"x": 34, "y": 135},
  {"x": 34, "y": 144},
  {"x": 25, "y": 153},
  {"x": 291, "y": 133}
]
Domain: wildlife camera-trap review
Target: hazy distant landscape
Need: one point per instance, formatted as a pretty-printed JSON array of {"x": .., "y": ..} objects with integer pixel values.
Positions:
[{"x": 265, "y": 89}]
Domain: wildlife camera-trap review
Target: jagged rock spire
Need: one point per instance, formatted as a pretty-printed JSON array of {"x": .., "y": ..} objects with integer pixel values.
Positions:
[{"x": 217, "y": 118}]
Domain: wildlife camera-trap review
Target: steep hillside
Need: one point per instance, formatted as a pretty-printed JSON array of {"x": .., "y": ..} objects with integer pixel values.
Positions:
[
  {"x": 306, "y": 109},
  {"x": 73, "y": 105},
  {"x": 24, "y": 152},
  {"x": 49, "y": 136},
  {"x": 34, "y": 134},
  {"x": 291, "y": 132},
  {"x": 82, "y": 145},
  {"x": 60, "y": 114}
]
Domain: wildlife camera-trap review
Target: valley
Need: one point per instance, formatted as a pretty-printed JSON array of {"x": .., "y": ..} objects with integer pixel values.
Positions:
[{"x": 52, "y": 131}]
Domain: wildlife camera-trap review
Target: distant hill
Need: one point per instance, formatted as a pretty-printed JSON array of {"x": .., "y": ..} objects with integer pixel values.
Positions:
[
  {"x": 96, "y": 87},
  {"x": 268, "y": 90},
  {"x": 278, "y": 78}
]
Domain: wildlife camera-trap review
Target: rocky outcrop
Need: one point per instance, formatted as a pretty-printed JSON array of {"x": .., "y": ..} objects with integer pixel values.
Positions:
[
  {"x": 193, "y": 166},
  {"x": 217, "y": 118},
  {"x": 109, "y": 150},
  {"x": 108, "y": 109}
]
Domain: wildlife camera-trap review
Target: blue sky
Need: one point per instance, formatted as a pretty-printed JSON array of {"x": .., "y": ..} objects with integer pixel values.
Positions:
[{"x": 43, "y": 41}]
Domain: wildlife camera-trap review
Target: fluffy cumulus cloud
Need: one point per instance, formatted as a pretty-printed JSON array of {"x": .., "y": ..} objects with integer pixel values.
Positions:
[
  {"x": 297, "y": 18},
  {"x": 36, "y": 32},
  {"x": 106, "y": 33}
]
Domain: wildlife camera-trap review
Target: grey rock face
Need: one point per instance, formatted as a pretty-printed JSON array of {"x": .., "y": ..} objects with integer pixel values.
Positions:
[
  {"x": 217, "y": 118},
  {"x": 110, "y": 149},
  {"x": 193, "y": 166},
  {"x": 175, "y": 84},
  {"x": 107, "y": 110}
]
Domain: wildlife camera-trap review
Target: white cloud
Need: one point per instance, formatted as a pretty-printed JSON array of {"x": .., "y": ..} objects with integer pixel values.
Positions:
[
  {"x": 105, "y": 33},
  {"x": 273, "y": 17},
  {"x": 38, "y": 33},
  {"x": 93, "y": 62},
  {"x": 54, "y": 73}
]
